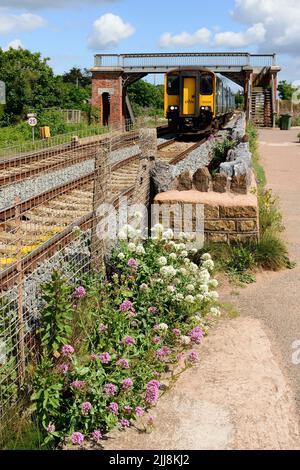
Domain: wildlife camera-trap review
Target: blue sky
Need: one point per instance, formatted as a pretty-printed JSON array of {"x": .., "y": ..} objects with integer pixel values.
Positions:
[{"x": 71, "y": 31}]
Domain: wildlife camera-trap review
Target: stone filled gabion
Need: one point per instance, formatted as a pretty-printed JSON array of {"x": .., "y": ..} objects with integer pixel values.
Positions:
[
  {"x": 70, "y": 260},
  {"x": 239, "y": 161},
  {"x": 239, "y": 129}
]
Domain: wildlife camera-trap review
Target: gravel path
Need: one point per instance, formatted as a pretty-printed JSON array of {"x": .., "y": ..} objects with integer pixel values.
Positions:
[
  {"x": 275, "y": 297},
  {"x": 236, "y": 398}
]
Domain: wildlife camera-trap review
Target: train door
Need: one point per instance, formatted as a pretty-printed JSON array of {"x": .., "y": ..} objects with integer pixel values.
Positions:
[{"x": 189, "y": 96}]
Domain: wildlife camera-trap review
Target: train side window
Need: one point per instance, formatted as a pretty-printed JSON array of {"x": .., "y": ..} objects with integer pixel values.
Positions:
[
  {"x": 173, "y": 85},
  {"x": 206, "y": 84}
]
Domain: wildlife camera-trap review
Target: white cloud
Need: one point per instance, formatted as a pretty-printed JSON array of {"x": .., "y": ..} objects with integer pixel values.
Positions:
[
  {"x": 39, "y": 4},
  {"x": 270, "y": 25},
  {"x": 108, "y": 31},
  {"x": 184, "y": 39},
  {"x": 24, "y": 22},
  {"x": 281, "y": 20},
  {"x": 254, "y": 35},
  {"x": 15, "y": 44}
]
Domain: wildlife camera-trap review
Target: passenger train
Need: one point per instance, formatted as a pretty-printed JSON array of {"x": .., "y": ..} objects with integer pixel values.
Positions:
[{"x": 197, "y": 99}]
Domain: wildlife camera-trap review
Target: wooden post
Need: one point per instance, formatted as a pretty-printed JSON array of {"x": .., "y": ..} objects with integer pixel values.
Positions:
[
  {"x": 20, "y": 294},
  {"x": 101, "y": 196}
]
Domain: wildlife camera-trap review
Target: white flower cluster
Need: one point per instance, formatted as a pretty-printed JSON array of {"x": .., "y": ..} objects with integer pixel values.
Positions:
[{"x": 168, "y": 271}]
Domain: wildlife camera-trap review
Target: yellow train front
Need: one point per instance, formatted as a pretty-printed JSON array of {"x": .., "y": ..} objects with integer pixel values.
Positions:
[{"x": 196, "y": 100}]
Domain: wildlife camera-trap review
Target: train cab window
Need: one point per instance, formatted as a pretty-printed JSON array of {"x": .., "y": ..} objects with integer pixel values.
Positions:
[
  {"x": 206, "y": 84},
  {"x": 173, "y": 85}
]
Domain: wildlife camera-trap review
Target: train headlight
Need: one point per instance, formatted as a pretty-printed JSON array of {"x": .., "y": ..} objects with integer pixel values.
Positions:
[{"x": 173, "y": 108}]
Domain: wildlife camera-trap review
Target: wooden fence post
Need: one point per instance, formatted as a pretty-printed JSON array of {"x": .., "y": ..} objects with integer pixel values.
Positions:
[
  {"x": 20, "y": 295},
  {"x": 101, "y": 196}
]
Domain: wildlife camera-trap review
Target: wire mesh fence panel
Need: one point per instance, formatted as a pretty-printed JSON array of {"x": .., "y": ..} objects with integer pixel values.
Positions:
[{"x": 49, "y": 220}]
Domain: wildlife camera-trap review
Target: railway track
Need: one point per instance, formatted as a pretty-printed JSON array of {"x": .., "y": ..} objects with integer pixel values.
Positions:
[
  {"x": 46, "y": 221},
  {"x": 15, "y": 169}
]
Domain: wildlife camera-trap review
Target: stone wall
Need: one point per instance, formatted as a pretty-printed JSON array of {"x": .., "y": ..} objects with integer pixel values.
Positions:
[{"x": 228, "y": 217}]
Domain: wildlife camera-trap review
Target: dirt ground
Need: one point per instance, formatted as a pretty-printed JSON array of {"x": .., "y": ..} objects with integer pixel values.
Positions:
[
  {"x": 236, "y": 398},
  {"x": 245, "y": 393}
]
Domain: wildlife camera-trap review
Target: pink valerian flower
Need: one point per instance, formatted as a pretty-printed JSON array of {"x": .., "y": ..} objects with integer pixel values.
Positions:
[
  {"x": 74, "y": 306},
  {"x": 67, "y": 350},
  {"x": 156, "y": 339},
  {"x": 78, "y": 384},
  {"x": 113, "y": 408},
  {"x": 128, "y": 340},
  {"x": 162, "y": 352},
  {"x": 154, "y": 383},
  {"x": 50, "y": 428},
  {"x": 127, "y": 384},
  {"x": 152, "y": 309},
  {"x": 79, "y": 292},
  {"x": 128, "y": 409},
  {"x": 157, "y": 374},
  {"x": 151, "y": 394},
  {"x": 104, "y": 357},
  {"x": 110, "y": 389},
  {"x": 93, "y": 357},
  {"x": 124, "y": 423},
  {"x": 123, "y": 363},
  {"x": 176, "y": 332},
  {"x": 86, "y": 407},
  {"x": 139, "y": 411},
  {"x": 102, "y": 328},
  {"x": 132, "y": 263},
  {"x": 126, "y": 305},
  {"x": 196, "y": 335},
  {"x": 63, "y": 368},
  {"x": 193, "y": 357},
  {"x": 77, "y": 438},
  {"x": 96, "y": 435}
]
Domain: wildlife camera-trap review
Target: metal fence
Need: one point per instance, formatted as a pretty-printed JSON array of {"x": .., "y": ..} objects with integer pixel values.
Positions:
[{"x": 49, "y": 219}]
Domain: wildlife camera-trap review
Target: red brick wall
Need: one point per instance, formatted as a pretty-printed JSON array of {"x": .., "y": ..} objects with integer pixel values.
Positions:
[{"x": 109, "y": 81}]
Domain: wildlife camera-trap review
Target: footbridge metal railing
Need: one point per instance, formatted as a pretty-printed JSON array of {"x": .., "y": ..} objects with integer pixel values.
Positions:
[{"x": 205, "y": 59}]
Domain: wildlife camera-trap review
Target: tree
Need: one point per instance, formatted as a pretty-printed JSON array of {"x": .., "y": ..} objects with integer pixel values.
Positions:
[
  {"x": 30, "y": 84},
  {"x": 239, "y": 100},
  {"x": 146, "y": 95},
  {"x": 285, "y": 90},
  {"x": 78, "y": 77}
]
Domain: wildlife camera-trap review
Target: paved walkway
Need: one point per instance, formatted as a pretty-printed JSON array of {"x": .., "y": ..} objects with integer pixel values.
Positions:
[
  {"x": 242, "y": 394},
  {"x": 275, "y": 298}
]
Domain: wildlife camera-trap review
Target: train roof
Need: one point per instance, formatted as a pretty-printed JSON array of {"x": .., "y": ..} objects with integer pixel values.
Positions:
[{"x": 193, "y": 68}]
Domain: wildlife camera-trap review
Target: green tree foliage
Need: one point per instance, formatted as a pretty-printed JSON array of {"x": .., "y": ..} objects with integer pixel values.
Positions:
[
  {"x": 146, "y": 95},
  {"x": 239, "y": 100},
  {"x": 78, "y": 77},
  {"x": 31, "y": 85},
  {"x": 285, "y": 90}
]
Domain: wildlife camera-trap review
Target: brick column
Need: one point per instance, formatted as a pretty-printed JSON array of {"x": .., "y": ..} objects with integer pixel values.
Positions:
[{"x": 111, "y": 83}]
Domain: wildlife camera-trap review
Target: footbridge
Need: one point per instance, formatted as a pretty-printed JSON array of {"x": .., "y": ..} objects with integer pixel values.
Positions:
[{"x": 113, "y": 73}]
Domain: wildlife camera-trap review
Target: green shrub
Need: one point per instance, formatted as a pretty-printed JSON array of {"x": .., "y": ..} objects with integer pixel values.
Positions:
[
  {"x": 54, "y": 119},
  {"x": 153, "y": 288}
]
